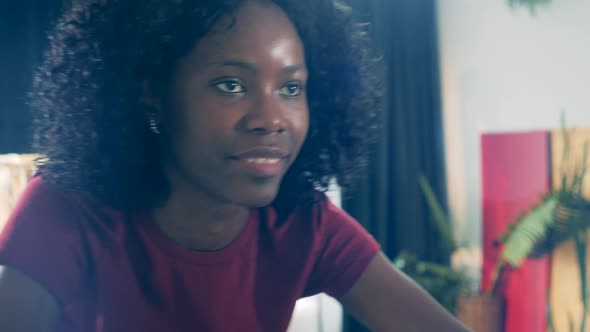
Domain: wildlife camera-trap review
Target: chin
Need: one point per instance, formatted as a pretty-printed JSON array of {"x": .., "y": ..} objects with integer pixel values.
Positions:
[
  {"x": 259, "y": 201},
  {"x": 258, "y": 198}
]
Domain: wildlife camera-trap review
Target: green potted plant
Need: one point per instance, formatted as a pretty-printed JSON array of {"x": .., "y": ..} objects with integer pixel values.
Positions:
[
  {"x": 443, "y": 282},
  {"x": 563, "y": 215},
  {"x": 454, "y": 287}
]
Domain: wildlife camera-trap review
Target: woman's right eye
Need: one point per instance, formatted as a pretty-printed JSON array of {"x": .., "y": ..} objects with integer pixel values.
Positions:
[{"x": 230, "y": 86}]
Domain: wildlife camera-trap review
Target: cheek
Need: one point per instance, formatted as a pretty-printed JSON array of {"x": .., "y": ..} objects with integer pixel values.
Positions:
[
  {"x": 300, "y": 124},
  {"x": 197, "y": 116},
  {"x": 192, "y": 133}
]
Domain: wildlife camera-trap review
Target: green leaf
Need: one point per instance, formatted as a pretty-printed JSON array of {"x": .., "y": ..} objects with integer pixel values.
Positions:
[
  {"x": 440, "y": 218},
  {"x": 550, "y": 323},
  {"x": 530, "y": 231}
]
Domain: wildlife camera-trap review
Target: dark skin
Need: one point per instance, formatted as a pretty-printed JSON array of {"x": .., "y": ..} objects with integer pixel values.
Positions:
[
  {"x": 237, "y": 98},
  {"x": 235, "y": 120}
]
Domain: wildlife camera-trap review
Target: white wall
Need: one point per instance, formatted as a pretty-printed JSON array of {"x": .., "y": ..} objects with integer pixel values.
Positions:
[
  {"x": 505, "y": 70},
  {"x": 319, "y": 313}
]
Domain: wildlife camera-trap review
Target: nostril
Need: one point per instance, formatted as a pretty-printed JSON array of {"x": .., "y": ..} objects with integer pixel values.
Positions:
[
  {"x": 259, "y": 130},
  {"x": 265, "y": 131}
]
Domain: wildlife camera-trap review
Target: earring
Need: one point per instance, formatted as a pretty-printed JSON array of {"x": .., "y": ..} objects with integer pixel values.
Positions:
[{"x": 154, "y": 125}]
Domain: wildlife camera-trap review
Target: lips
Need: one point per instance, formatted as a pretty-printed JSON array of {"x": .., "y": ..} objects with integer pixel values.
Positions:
[{"x": 262, "y": 161}]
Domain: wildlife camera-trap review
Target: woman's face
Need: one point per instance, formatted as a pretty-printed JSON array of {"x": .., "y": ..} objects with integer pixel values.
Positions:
[{"x": 238, "y": 113}]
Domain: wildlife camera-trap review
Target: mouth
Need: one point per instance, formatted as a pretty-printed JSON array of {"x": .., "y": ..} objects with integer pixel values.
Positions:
[{"x": 262, "y": 162}]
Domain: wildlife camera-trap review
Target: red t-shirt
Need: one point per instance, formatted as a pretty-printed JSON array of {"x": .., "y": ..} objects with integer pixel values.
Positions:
[{"x": 114, "y": 272}]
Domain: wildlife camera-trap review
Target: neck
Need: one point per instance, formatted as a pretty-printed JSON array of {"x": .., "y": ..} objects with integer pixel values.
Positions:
[{"x": 198, "y": 221}]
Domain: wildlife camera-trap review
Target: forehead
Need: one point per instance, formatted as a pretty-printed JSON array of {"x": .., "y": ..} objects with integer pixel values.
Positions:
[{"x": 256, "y": 32}]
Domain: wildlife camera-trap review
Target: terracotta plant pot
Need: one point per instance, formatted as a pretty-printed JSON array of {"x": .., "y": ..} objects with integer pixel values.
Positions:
[{"x": 481, "y": 313}]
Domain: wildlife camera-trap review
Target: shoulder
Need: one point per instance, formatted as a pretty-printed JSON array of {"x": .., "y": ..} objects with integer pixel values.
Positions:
[
  {"x": 44, "y": 231},
  {"x": 42, "y": 213},
  {"x": 321, "y": 218},
  {"x": 45, "y": 209},
  {"x": 42, "y": 200},
  {"x": 40, "y": 190},
  {"x": 342, "y": 248},
  {"x": 329, "y": 217},
  {"x": 312, "y": 212}
]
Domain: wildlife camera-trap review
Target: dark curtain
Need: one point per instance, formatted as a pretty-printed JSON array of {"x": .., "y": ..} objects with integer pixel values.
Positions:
[
  {"x": 23, "y": 27},
  {"x": 389, "y": 201}
]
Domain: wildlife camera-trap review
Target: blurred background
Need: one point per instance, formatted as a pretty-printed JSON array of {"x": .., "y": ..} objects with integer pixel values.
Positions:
[{"x": 469, "y": 145}]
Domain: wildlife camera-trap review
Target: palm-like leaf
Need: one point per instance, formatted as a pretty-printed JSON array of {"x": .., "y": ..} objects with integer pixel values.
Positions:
[
  {"x": 439, "y": 216},
  {"x": 530, "y": 232},
  {"x": 563, "y": 215}
]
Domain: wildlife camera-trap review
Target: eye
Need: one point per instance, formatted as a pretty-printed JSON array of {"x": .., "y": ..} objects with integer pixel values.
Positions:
[
  {"x": 230, "y": 86},
  {"x": 292, "y": 89}
]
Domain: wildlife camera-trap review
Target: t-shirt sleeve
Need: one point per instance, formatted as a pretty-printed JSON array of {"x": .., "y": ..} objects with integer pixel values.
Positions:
[
  {"x": 344, "y": 251},
  {"x": 41, "y": 239}
]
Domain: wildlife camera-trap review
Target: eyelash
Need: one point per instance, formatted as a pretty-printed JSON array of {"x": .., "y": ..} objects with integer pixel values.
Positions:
[
  {"x": 219, "y": 84},
  {"x": 238, "y": 83},
  {"x": 296, "y": 84}
]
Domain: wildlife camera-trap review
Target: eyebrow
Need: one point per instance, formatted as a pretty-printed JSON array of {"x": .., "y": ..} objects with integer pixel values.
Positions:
[
  {"x": 251, "y": 67},
  {"x": 295, "y": 68}
]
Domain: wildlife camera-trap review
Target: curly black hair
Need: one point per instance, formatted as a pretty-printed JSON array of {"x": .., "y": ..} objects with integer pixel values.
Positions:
[{"x": 90, "y": 125}]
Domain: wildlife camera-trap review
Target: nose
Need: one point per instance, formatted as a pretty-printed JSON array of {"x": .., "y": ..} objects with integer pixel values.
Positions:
[{"x": 267, "y": 116}]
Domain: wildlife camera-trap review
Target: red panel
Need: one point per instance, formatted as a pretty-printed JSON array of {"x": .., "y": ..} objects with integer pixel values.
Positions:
[{"x": 516, "y": 173}]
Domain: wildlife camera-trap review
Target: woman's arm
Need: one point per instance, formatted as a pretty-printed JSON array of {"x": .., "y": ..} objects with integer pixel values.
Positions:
[
  {"x": 24, "y": 304},
  {"x": 386, "y": 300}
]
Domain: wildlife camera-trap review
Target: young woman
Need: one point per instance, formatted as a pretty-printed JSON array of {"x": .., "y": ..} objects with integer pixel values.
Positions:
[{"x": 186, "y": 145}]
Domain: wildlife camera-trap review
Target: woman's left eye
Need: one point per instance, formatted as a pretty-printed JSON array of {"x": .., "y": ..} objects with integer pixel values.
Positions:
[
  {"x": 230, "y": 87},
  {"x": 291, "y": 90}
]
